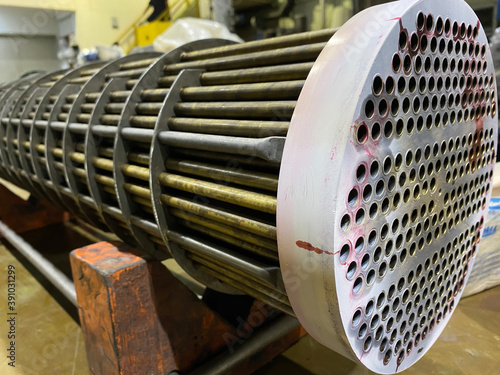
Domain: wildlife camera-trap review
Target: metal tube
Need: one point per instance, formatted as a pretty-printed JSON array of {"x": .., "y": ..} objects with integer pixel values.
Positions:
[
  {"x": 251, "y": 161},
  {"x": 131, "y": 73},
  {"x": 224, "y": 174},
  {"x": 251, "y": 291},
  {"x": 261, "y": 45},
  {"x": 119, "y": 96},
  {"x": 286, "y": 72},
  {"x": 280, "y": 56},
  {"x": 104, "y": 131},
  {"x": 263, "y": 244},
  {"x": 267, "y": 291},
  {"x": 46, "y": 268},
  {"x": 147, "y": 122},
  {"x": 148, "y": 108},
  {"x": 245, "y": 128},
  {"x": 79, "y": 80},
  {"x": 114, "y": 108},
  {"x": 134, "y": 171},
  {"x": 137, "y": 64},
  {"x": 287, "y": 90},
  {"x": 137, "y": 135},
  {"x": 83, "y": 118},
  {"x": 154, "y": 95},
  {"x": 236, "y": 221},
  {"x": 92, "y": 97},
  {"x": 240, "y": 197},
  {"x": 270, "y": 148},
  {"x": 282, "y": 110},
  {"x": 110, "y": 119},
  {"x": 257, "y": 269},
  {"x": 260, "y": 339},
  {"x": 131, "y": 83}
]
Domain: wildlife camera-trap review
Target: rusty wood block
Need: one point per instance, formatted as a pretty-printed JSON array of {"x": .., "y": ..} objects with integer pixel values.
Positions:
[
  {"x": 23, "y": 216},
  {"x": 137, "y": 318}
]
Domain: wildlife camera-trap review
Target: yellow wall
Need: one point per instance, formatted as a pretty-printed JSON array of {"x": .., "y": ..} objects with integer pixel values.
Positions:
[
  {"x": 42, "y": 4},
  {"x": 93, "y": 17}
]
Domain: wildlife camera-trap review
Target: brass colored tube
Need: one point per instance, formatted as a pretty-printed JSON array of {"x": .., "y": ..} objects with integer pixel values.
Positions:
[
  {"x": 261, "y": 45},
  {"x": 250, "y": 290},
  {"x": 244, "y": 110},
  {"x": 143, "y": 202},
  {"x": 103, "y": 163},
  {"x": 253, "y": 59},
  {"x": 138, "y": 191},
  {"x": 119, "y": 96},
  {"x": 154, "y": 95},
  {"x": 131, "y": 73},
  {"x": 287, "y": 90},
  {"x": 92, "y": 97},
  {"x": 110, "y": 190},
  {"x": 114, "y": 108},
  {"x": 79, "y": 80},
  {"x": 77, "y": 157},
  {"x": 87, "y": 107},
  {"x": 287, "y": 72},
  {"x": 131, "y": 83},
  {"x": 83, "y": 118},
  {"x": 265, "y": 243},
  {"x": 258, "y": 180},
  {"x": 135, "y": 171},
  {"x": 89, "y": 72},
  {"x": 228, "y": 158},
  {"x": 148, "y": 108},
  {"x": 80, "y": 172},
  {"x": 110, "y": 119},
  {"x": 71, "y": 98},
  {"x": 137, "y": 64},
  {"x": 66, "y": 107},
  {"x": 240, "y": 197},
  {"x": 147, "y": 122},
  {"x": 167, "y": 81},
  {"x": 243, "y": 128},
  {"x": 224, "y": 217},
  {"x": 105, "y": 180},
  {"x": 237, "y": 274},
  {"x": 138, "y": 158}
]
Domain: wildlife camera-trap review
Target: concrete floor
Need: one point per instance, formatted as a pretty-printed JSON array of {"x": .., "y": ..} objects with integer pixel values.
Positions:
[{"x": 50, "y": 341}]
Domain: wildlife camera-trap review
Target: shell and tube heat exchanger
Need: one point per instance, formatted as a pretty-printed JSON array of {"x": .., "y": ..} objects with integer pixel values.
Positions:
[{"x": 341, "y": 176}]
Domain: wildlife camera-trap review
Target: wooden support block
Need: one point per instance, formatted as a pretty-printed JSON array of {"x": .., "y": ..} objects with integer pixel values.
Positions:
[
  {"x": 23, "y": 216},
  {"x": 137, "y": 318}
]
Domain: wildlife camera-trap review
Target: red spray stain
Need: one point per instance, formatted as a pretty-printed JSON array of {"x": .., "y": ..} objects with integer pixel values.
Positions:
[{"x": 307, "y": 246}]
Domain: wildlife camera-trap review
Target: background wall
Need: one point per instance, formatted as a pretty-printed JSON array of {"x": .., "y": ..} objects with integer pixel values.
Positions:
[
  {"x": 93, "y": 23},
  {"x": 30, "y": 29},
  {"x": 94, "y": 19},
  {"x": 28, "y": 41}
]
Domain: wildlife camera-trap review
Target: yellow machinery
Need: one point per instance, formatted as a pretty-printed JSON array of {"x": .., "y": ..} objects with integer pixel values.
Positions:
[{"x": 142, "y": 33}]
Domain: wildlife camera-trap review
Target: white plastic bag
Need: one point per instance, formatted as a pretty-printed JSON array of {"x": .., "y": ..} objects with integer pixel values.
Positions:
[{"x": 190, "y": 29}]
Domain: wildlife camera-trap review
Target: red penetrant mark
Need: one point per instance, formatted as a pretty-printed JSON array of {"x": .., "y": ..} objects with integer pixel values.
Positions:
[
  {"x": 395, "y": 19},
  {"x": 333, "y": 153},
  {"x": 309, "y": 247}
]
